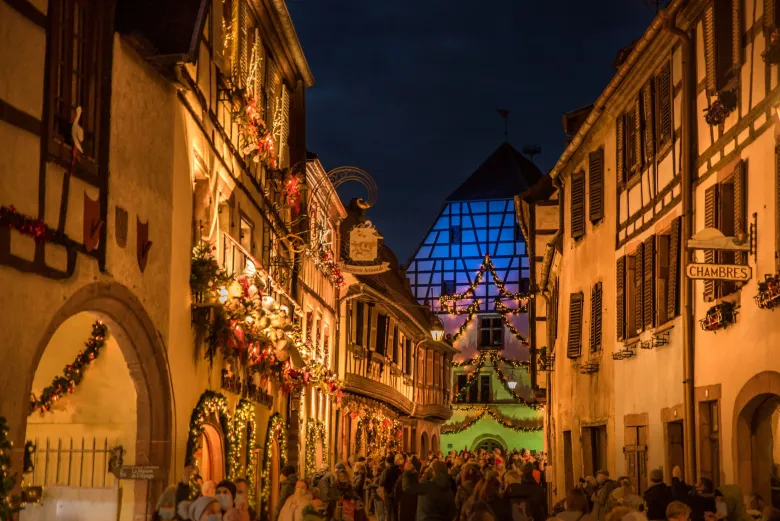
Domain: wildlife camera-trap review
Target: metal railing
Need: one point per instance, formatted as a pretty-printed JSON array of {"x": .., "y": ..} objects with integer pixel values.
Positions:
[{"x": 72, "y": 463}]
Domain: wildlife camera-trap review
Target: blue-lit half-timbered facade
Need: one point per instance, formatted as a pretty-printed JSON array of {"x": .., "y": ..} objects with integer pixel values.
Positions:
[{"x": 472, "y": 269}]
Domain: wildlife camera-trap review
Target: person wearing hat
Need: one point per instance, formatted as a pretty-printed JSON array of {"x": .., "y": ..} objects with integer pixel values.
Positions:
[
  {"x": 600, "y": 498},
  {"x": 658, "y": 496},
  {"x": 166, "y": 505},
  {"x": 530, "y": 492},
  {"x": 205, "y": 508}
]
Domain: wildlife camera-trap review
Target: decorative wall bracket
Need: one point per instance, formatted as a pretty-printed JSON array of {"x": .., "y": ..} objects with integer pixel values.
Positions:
[
  {"x": 660, "y": 339},
  {"x": 625, "y": 353},
  {"x": 719, "y": 316},
  {"x": 768, "y": 296},
  {"x": 589, "y": 367}
]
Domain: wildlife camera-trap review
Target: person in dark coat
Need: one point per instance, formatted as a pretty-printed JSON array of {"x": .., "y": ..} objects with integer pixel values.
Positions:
[
  {"x": 407, "y": 502},
  {"x": 600, "y": 498},
  {"x": 658, "y": 496},
  {"x": 435, "y": 501},
  {"x": 529, "y": 491},
  {"x": 286, "y": 487},
  {"x": 387, "y": 485}
]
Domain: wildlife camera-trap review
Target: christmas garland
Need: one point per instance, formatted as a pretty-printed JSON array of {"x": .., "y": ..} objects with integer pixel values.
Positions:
[
  {"x": 243, "y": 422},
  {"x": 504, "y": 421},
  {"x": 487, "y": 264},
  {"x": 211, "y": 402},
  {"x": 35, "y": 228},
  {"x": 73, "y": 373},
  {"x": 315, "y": 431},
  {"x": 10, "y": 503},
  {"x": 255, "y": 138},
  {"x": 276, "y": 432},
  {"x": 494, "y": 355},
  {"x": 478, "y": 362}
]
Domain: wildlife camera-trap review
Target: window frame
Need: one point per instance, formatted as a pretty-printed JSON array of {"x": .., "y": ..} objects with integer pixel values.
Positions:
[{"x": 494, "y": 329}]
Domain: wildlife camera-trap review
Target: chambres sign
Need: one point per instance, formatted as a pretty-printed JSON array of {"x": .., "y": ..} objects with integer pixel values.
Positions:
[{"x": 719, "y": 272}]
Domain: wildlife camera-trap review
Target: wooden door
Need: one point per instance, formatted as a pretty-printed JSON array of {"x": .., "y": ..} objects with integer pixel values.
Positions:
[
  {"x": 635, "y": 453},
  {"x": 675, "y": 446},
  {"x": 568, "y": 463}
]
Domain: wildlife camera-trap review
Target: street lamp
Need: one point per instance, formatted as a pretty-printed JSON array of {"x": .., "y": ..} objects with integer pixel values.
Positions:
[
  {"x": 437, "y": 329},
  {"x": 511, "y": 382}
]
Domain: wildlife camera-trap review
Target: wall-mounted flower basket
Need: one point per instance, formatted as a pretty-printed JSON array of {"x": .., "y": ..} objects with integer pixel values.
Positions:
[
  {"x": 771, "y": 54},
  {"x": 546, "y": 360},
  {"x": 719, "y": 109},
  {"x": 589, "y": 367},
  {"x": 768, "y": 296},
  {"x": 719, "y": 316}
]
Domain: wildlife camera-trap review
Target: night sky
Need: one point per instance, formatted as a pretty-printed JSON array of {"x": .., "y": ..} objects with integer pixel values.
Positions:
[{"x": 408, "y": 89}]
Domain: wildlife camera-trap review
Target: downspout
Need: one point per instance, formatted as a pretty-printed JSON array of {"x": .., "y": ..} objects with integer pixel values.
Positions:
[
  {"x": 558, "y": 183},
  {"x": 686, "y": 284}
]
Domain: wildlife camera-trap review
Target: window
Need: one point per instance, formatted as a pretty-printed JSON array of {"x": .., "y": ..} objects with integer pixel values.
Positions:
[
  {"x": 491, "y": 332},
  {"x": 474, "y": 393},
  {"x": 634, "y": 293},
  {"x": 408, "y": 353},
  {"x": 648, "y": 283},
  {"x": 79, "y": 44},
  {"x": 663, "y": 89},
  {"x": 448, "y": 287},
  {"x": 725, "y": 210},
  {"x": 462, "y": 379},
  {"x": 594, "y": 448},
  {"x": 771, "y": 15},
  {"x": 635, "y": 135},
  {"x": 620, "y": 292},
  {"x": 574, "y": 344},
  {"x": 394, "y": 354},
  {"x": 596, "y": 185},
  {"x": 595, "y": 317},
  {"x": 723, "y": 43},
  {"x": 359, "y": 324},
  {"x": 455, "y": 234},
  {"x": 246, "y": 234},
  {"x": 381, "y": 334},
  {"x": 709, "y": 438},
  {"x": 668, "y": 273},
  {"x": 552, "y": 316},
  {"x": 578, "y": 205},
  {"x": 371, "y": 341},
  {"x": 484, "y": 388}
]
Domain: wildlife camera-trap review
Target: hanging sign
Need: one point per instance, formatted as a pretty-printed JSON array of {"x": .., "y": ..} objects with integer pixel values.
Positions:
[
  {"x": 364, "y": 248},
  {"x": 138, "y": 472},
  {"x": 719, "y": 272}
]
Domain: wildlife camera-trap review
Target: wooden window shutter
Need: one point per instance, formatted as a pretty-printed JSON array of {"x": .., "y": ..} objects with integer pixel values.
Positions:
[
  {"x": 648, "y": 286},
  {"x": 638, "y": 145},
  {"x": 649, "y": 111},
  {"x": 621, "y": 158},
  {"x": 639, "y": 277},
  {"x": 709, "y": 49},
  {"x": 769, "y": 14},
  {"x": 243, "y": 42},
  {"x": 595, "y": 317},
  {"x": 373, "y": 316},
  {"x": 664, "y": 91},
  {"x": 596, "y": 185},
  {"x": 736, "y": 34},
  {"x": 620, "y": 305},
  {"x": 777, "y": 207},
  {"x": 577, "y": 205},
  {"x": 740, "y": 217},
  {"x": 574, "y": 346},
  {"x": 710, "y": 221},
  {"x": 673, "y": 282}
]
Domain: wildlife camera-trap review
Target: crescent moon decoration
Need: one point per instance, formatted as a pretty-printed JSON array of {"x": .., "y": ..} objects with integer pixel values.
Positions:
[{"x": 343, "y": 174}]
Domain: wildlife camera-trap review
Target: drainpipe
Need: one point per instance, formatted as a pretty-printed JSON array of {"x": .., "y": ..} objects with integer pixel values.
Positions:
[
  {"x": 558, "y": 183},
  {"x": 686, "y": 285}
]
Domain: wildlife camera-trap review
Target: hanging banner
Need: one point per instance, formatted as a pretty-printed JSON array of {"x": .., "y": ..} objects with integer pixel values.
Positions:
[{"x": 719, "y": 272}]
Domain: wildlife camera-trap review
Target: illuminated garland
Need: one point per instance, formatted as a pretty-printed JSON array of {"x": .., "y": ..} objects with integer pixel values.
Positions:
[
  {"x": 276, "y": 432},
  {"x": 359, "y": 434},
  {"x": 478, "y": 362},
  {"x": 470, "y": 311},
  {"x": 10, "y": 218},
  {"x": 504, "y": 421},
  {"x": 514, "y": 330},
  {"x": 504, "y": 381},
  {"x": 315, "y": 431},
  {"x": 243, "y": 422},
  {"x": 255, "y": 138},
  {"x": 73, "y": 373},
  {"x": 10, "y": 503},
  {"x": 495, "y": 355},
  {"x": 487, "y": 264},
  {"x": 211, "y": 402}
]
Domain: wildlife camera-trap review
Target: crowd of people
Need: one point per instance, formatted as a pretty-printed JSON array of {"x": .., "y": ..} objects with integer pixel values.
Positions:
[
  {"x": 601, "y": 498},
  {"x": 461, "y": 486}
]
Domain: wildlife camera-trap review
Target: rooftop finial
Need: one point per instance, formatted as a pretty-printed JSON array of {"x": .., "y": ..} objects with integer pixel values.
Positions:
[{"x": 504, "y": 113}]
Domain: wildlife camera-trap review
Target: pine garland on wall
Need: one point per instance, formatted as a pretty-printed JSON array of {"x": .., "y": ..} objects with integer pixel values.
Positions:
[{"x": 10, "y": 503}]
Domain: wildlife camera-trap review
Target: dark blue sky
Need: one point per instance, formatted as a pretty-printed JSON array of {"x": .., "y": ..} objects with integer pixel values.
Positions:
[{"x": 408, "y": 89}]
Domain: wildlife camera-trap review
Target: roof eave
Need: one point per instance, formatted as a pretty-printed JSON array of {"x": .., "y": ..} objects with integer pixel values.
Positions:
[{"x": 291, "y": 36}]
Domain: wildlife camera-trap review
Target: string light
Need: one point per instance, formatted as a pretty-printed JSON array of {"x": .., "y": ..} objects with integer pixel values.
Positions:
[
  {"x": 315, "y": 431},
  {"x": 73, "y": 373},
  {"x": 243, "y": 422},
  {"x": 478, "y": 362},
  {"x": 504, "y": 421},
  {"x": 276, "y": 432},
  {"x": 10, "y": 503}
]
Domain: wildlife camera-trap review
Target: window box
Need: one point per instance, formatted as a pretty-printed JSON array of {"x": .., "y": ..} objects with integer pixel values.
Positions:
[
  {"x": 771, "y": 54},
  {"x": 720, "y": 109},
  {"x": 768, "y": 296},
  {"x": 719, "y": 316}
]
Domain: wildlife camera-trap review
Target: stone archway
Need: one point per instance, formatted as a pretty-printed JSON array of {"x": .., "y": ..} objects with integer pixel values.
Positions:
[
  {"x": 756, "y": 439},
  {"x": 147, "y": 364},
  {"x": 435, "y": 444},
  {"x": 494, "y": 439},
  {"x": 424, "y": 445}
]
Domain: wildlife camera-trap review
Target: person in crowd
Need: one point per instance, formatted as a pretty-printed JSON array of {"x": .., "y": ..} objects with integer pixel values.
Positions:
[
  {"x": 771, "y": 514},
  {"x": 293, "y": 507},
  {"x": 601, "y": 495},
  {"x": 529, "y": 492},
  {"x": 658, "y": 496},
  {"x": 286, "y": 487},
  {"x": 166, "y": 505},
  {"x": 730, "y": 504},
  {"x": 677, "y": 511},
  {"x": 387, "y": 485},
  {"x": 205, "y": 508},
  {"x": 407, "y": 501},
  {"x": 209, "y": 488},
  {"x": 468, "y": 507},
  {"x": 359, "y": 479},
  {"x": 374, "y": 496},
  {"x": 756, "y": 506},
  {"x": 183, "y": 487},
  {"x": 435, "y": 502},
  {"x": 537, "y": 472},
  {"x": 469, "y": 477},
  {"x": 618, "y": 514},
  {"x": 492, "y": 500},
  {"x": 242, "y": 497},
  {"x": 315, "y": 511},
  {"x": 324, "y": 481},
  {"x": 576, "y": 505},
  {"x": 349, "y": 507},
  {"x": 226, "y": 496},
  {"x": 616, "y": 497}
]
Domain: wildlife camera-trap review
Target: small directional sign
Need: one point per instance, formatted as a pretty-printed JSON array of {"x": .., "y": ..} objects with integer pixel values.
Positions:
[
  {"x": 138, "y": 472},
  {"x": 719, "y": 272}
]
